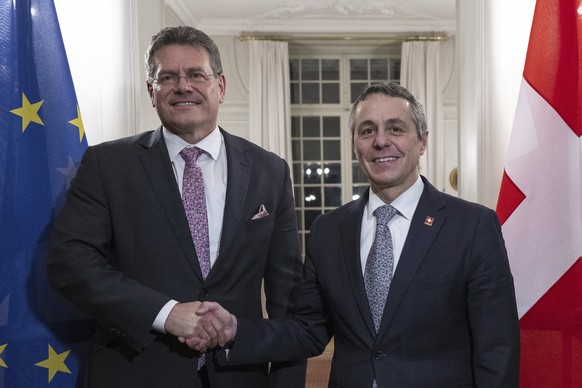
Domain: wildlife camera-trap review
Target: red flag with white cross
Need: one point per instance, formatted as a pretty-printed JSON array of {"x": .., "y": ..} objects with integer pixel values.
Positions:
[{"x": 540, "y": 201}]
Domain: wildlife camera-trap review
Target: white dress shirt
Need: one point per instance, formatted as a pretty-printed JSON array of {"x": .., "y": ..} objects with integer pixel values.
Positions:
[
  {"x": 214, "y": 169},
  {"x": 399, "y": 225}
]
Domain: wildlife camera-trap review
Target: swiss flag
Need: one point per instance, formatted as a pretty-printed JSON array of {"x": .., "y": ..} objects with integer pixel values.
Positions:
[{"x": 540, "y": 201}]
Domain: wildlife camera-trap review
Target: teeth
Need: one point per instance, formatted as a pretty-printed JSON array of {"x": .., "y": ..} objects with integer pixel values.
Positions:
[
  {"x": 380, "y": 160},
  {"x": 184, "y": 103}
]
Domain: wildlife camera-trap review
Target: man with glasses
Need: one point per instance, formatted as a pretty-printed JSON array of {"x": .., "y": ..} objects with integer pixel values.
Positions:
[{"x": 158, "y": 222}]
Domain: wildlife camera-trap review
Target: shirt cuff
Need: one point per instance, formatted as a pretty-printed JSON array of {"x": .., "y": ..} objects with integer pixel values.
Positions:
[{"x": 160, "y": 321}]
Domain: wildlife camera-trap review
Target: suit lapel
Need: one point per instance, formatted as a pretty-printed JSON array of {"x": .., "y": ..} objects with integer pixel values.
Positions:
[
  {"x": 419, "y": 239},
  {"x": 159, "y": 171},
  {"x": 238, "y": 170},
  {"x": 351, "y": 226}
]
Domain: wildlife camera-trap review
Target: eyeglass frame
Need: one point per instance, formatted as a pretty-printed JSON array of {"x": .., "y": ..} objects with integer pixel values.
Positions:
[{"x": 174, "y": 79}]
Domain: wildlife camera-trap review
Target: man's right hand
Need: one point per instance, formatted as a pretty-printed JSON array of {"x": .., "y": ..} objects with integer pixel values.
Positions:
[
  {"x": 184, "y": 323},
  {"x": 214, "y": 319}
]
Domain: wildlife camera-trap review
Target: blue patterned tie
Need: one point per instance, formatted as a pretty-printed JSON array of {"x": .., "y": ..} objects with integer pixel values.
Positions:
[
  {"x": 195, "y": 206},
  {"x": 378, "y": 271}
]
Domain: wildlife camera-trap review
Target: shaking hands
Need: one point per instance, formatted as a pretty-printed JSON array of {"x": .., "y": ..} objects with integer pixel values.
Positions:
[{"x": 201, "y": 325}]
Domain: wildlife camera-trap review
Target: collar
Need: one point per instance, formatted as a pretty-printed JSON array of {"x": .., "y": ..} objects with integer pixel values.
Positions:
[
  {"x": 405, "y": 203},
  {"x": 211, "y": 144}
]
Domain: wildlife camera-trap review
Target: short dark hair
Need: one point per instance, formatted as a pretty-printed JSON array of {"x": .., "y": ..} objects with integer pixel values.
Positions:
[
  {"x": 392, "y": 89},
  {"x": 182, "y": 35}
]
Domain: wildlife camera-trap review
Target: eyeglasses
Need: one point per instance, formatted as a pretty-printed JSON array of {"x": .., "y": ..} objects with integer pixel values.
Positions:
[{"x": 171, "y": 79}]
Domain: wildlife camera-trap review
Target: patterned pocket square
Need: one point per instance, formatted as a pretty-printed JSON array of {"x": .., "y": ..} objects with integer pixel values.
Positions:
[{"x": 262, "y": 213}]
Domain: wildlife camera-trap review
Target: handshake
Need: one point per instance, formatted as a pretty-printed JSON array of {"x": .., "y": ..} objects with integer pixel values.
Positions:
[{"x": 201, "y": 325}]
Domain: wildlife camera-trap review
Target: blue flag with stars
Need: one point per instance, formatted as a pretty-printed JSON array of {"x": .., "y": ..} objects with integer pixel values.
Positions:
[{"x": 42, "y": 139}]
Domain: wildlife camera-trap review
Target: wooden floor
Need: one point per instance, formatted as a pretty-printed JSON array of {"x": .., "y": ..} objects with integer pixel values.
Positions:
[{"x": 318, "y": 369}]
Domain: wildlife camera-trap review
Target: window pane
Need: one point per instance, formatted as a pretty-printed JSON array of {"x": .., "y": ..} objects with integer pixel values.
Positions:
[
  {"x": 295, "y": 126},
  {"x": 310, "y": 69},
  {"x": 379, "y": 69},
  {"x": 296, "y": 149},
  {"x": 311, "y": 126},
  {"x": 359, "y": 69},
  {"x": 297, "y": 195},
  {"x": 333, "y": 196},
  {"x": 310, "y": 173},
  {"x": 311, "y": 150},
  {"x": 295, "y": 93},
  {"x": 312, "y": 197},
  {"x": 310, "y": 93},
  {"x": 395, "y": 71},
  {"x": 297, "y": 173},
  {"x": 331, "y": 126},
  {"x": 356, "y": 89},
  {"x": 331, "y": 150},
  {"x": 330, "y": 93},
  {"x": 330, "y": 69},
  {"x": 294, "y": 69},
  {"x": 332, "y": 173}
]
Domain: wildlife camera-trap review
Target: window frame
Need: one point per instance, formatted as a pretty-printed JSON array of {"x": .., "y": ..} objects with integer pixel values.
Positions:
[{"x": 391, "y": 52}]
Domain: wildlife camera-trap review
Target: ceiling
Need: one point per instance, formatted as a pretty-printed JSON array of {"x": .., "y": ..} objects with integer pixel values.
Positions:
[{"x": 232, "y": 17}]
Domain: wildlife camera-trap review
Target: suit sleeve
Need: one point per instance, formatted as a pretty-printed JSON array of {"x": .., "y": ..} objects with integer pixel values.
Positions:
[
  {"x": 79, "y": 263},
  {"x": 303, "y": 334},
  {"x": 492, "y": 308},
  {"x": 281, "y": 281}
]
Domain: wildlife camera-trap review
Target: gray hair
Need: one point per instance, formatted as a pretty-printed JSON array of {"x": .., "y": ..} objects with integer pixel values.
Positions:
[
  {"x": 182, "y": 35},
  {"x": 393, "y": 90}
]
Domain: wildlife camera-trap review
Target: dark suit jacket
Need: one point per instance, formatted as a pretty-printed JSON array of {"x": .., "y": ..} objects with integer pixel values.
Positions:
[
  {"x": 450, "y": 319},
  {"x": 122, "y": 249}
]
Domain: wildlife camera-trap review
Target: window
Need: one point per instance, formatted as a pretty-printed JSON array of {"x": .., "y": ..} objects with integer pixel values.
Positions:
[{"x": 323, "y": 88}]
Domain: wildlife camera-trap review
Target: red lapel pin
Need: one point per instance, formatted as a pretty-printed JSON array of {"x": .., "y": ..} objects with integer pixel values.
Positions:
[{"x": 428, "y": 220}]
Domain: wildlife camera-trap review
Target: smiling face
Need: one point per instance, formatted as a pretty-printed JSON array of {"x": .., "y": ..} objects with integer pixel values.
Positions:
[
  {"x": 188, "y": 109},
  {"x": 387, "y": 144}
]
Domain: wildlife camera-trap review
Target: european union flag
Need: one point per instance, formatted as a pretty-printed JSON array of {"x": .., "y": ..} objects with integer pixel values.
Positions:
[{"x": 42, "y": 139}]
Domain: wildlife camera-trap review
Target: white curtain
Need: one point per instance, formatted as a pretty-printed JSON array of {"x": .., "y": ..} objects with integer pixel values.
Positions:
[
  {"x": 419, "y": 73},
  {"x": 269, "y": 101}
]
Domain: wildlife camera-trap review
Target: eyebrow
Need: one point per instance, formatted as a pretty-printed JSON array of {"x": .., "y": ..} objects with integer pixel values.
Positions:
[
  {"x": 188, "y": 70},
  {"x": 394, "y": 121},
  {"x": 389, "y": 122}
]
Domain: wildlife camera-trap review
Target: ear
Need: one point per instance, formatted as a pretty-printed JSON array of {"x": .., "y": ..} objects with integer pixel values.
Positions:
[
  {"x": 151, "y": 93},
  {"x": 423, "y": 142},
  {"x": 222, "y": 87}
]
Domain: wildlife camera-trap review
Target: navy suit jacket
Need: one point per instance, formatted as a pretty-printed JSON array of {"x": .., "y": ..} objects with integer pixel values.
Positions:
[
  {"x": 450, "y": 319},
  {"x": 122, "y": 249}
]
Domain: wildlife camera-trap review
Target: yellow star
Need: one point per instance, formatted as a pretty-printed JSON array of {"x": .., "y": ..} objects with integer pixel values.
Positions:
[
  {"x": 78, "y": 122},
  {"x": 55, "y": 363},
  {"x": 2, "y": 363},
  {"x": 28, "y": 112}
]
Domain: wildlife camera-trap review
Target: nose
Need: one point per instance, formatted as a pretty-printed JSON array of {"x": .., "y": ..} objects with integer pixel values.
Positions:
[
  {"x": 382, "y": 139},
  {"x": 183, "y": 83}
]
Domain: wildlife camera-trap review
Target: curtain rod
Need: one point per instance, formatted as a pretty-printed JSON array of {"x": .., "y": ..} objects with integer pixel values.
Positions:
[{"x": 433, "y": 36}]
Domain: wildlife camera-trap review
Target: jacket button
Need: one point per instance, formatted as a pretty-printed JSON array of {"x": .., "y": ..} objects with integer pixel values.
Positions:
[
  {"x": 378, "y": 355},
  {"x": 204, "y": 292}
]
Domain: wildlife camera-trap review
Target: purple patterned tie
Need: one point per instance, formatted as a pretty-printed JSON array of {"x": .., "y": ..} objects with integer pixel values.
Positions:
[
  {"x": 378, "y": 271},
  {"x": 195, "y": 206}
]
